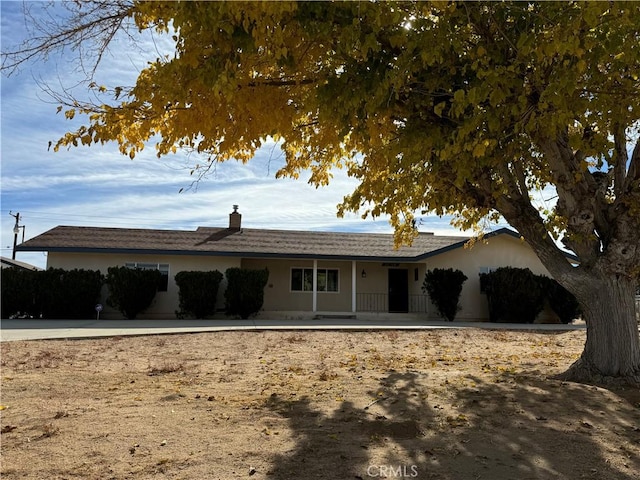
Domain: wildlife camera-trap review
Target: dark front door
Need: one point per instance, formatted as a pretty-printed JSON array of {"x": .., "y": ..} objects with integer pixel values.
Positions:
[{"x": 398, "y": 290}]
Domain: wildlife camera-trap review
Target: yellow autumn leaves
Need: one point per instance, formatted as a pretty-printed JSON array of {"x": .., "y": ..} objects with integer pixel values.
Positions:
[{"x": 425, "y": 102}]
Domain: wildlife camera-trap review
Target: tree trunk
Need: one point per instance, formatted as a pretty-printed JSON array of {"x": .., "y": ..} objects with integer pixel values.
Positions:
[{"x": 612, "y": 349}]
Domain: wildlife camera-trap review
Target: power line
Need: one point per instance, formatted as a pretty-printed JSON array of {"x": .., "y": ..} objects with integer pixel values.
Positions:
[
  {"x": 37, "y": 214},
  {"x": 102, "y": 219}
]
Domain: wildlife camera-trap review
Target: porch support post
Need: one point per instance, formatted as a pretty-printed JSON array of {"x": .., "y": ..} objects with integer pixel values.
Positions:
[
  {"x": 315, "y": 286},
  {"x": 353, "y": 286},
  {"x": 427, "y": 298}
]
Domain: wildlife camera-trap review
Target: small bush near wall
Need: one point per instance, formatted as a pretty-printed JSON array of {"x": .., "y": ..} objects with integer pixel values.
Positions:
[
  {"x": 244, "y": 295},
  {"x": 131, "y": 290},
  {"x": 198, "y": 292},
  {"x": 514, "y": 294},
  {"x": 19, "y": 292},
  {"x": 444, "y": 287}
]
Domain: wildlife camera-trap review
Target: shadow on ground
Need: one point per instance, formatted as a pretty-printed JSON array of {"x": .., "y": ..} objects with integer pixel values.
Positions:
[{"x": 502, "y": 430}]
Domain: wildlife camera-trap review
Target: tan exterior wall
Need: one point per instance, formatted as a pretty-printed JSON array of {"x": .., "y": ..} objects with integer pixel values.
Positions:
[
  {"x": 499, "y": 251},
  {"x": 166, "y": 303},
  {"x": 373, "y": 290},
  {"x": 279, "y": 297}
]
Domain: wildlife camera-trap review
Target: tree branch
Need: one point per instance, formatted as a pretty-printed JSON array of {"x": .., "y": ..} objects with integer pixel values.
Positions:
[
  {"x": 96, "y": 26},
  {"x": 620, "y": 159},
  {"x": 522, "y": 180},
  {"x": 525, "y": 218},
  {"x": 280, "y": 83},
  {"x": 509, "y": 181},
  {"x": 633, "y": 174},
  {"x": 577, "y": 201}
]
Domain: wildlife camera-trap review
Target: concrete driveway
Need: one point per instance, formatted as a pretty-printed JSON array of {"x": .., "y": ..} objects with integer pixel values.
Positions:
[{"x": 26, "y": 329}]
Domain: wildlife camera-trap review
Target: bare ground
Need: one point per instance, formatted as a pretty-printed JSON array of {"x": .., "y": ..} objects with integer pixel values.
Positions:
[{"x": 440, "y": 404}]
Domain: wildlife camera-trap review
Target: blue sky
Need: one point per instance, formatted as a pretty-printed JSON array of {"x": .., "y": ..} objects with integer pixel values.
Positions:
[{"x": 97, "y": 186}]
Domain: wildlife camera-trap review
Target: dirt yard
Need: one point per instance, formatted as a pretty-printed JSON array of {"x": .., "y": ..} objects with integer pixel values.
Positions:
[{"x": 439, "y": 404}]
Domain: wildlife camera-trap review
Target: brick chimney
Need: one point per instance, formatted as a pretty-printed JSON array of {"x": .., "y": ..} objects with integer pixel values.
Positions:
[{"x": 235, "y": 219}]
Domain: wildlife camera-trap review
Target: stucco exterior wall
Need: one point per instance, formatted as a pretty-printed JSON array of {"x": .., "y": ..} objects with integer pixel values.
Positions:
[
  {"x": 498, "y": 251},
  {"x": 373, "y": 290},
  {"x": 279, "y": 296},
  {"x": 166, "y": 303}
]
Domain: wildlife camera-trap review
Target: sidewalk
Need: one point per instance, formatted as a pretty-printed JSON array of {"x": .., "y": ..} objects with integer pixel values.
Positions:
[{"x": 12, "y": 330}]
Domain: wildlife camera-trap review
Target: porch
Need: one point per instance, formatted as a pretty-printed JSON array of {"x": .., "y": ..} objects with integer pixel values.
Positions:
[{"x": 379, "y": 303}]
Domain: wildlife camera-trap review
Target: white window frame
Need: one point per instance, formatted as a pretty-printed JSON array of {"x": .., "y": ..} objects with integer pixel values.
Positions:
[
  {"x": 309, "y": 285},
  {"x": 487, "y": 269}
]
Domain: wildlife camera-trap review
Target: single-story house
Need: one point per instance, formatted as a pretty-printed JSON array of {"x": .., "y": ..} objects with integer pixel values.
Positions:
[{"x": 310, "y": 273}]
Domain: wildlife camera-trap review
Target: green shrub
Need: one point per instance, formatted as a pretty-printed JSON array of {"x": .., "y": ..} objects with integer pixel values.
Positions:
[
  {"x": 444, "y": 287},
  {"x": 69, "y": 293},
  {"x": 244, "y": 295},
  {"x": 561, "y": 300},
  {"x": 198, "y": 292},
  {"x": 19, "y": 292},
  {"x": 514, "y": 294},
  {"x": 131, "y": 290},
  {"x": 53, "y": 293}
]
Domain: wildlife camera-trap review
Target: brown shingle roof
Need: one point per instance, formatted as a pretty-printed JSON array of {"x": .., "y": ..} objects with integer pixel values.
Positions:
[{"x": 246, "y": 243}]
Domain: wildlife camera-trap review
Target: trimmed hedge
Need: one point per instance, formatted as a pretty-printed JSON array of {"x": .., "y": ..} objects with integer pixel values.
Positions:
[
  {"x": 131, "y": 290},
  {"x": 561, "y": 300},
  {"x": 20, "y": 292},
  {"x": 70, "y": 293},
  {"x": 514, "y": 294},
  {"x": 444, "y": 287},
  {"x": 53, "y": 293},
  {"x": 198, "y": 292},
  {"x": 517, "y": 295},
  {"x": 244, "y": 295}
]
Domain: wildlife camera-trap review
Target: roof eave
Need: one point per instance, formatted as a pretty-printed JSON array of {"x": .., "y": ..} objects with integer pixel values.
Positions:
[{"x": 221, "y": 253}]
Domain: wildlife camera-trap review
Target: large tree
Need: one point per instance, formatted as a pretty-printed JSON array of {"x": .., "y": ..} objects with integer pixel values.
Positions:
[{"x": 444, "y": 107}]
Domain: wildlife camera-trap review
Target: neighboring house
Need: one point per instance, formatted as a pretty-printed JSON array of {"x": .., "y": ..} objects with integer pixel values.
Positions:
[
  {"x": 10, "y": 263},
  {"x": 310, "y": 273}
]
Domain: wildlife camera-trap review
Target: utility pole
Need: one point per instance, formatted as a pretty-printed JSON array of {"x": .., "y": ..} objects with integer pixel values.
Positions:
[{"x": 16, "y": 230}]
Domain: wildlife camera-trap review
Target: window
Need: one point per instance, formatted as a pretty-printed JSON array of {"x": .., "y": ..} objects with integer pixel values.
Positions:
[
  {"x": 302, "y": 280},
  {"x": 162, "y": 267},
  {"x": 488, "y": 269}
]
